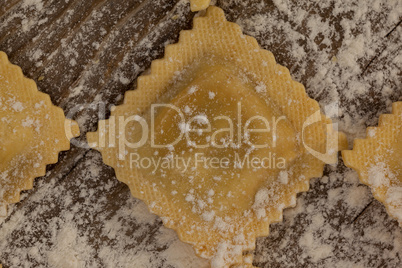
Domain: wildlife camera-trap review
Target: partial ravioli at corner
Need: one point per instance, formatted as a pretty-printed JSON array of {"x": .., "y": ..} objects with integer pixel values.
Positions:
[
  {"x": 215, "y": 102},
  {"x": 197, "y": 5},
  {"x": 378, "y": 160},
  {"x": 32, "y": 133}
]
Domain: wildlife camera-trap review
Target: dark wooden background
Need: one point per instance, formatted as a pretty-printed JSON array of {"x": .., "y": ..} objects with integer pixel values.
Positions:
[{"x": 86, "y": 54}]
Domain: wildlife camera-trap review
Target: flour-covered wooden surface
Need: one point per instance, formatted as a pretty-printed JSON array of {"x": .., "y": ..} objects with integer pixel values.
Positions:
[{"x": 86, "y": 54}]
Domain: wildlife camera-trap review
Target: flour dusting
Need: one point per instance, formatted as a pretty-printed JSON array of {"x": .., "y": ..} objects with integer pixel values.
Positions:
[{"x": 346, "y": 53}]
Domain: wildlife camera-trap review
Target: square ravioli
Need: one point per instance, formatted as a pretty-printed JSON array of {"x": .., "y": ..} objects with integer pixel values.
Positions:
[
  {"x": 217, "y": 140},
  {"x": 378, "y": 160},
  {"x": 32, "y": 133}
]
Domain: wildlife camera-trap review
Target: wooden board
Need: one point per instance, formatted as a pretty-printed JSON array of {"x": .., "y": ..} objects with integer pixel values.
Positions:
[{"x": 86, "y": 54}]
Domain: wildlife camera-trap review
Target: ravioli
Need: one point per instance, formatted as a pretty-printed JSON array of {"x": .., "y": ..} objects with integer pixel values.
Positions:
[
  {"x": 378, "y": 160},
  {"x": 197, "y": 5},
  {"x": 32, "y": 133},
  {"x": 217, "y": 140}
]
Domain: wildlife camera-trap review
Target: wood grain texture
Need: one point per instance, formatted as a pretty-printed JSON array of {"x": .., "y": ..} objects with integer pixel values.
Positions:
[{"x": 86, "y": 54}]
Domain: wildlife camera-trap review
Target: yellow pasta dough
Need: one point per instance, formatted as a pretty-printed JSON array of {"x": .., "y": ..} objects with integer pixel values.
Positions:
[
  {"x": 197, "y": 5},
  {"x": 378, "y": 160},
  {"x": 217, "y": 140},
  {"x": 32, "y": 132}
]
